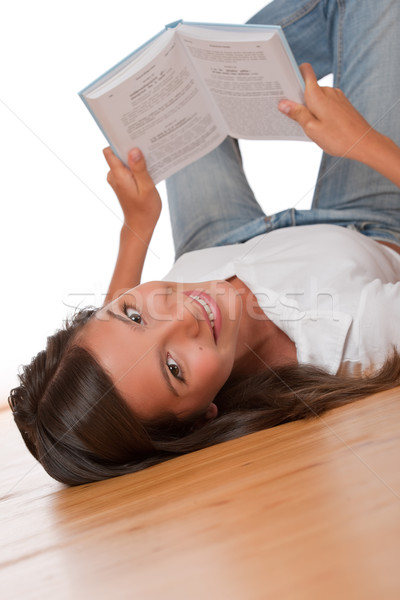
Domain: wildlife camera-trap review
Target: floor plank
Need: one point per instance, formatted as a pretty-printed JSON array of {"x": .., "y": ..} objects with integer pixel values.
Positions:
[{"x": 307, "y": 510}]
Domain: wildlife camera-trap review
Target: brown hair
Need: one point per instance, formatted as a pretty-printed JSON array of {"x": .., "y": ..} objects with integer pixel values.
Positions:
[{"x": 78, "y": 427}]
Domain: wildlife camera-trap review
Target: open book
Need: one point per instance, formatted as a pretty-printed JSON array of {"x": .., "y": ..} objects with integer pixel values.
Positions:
[{"x": 179, "y": 95}]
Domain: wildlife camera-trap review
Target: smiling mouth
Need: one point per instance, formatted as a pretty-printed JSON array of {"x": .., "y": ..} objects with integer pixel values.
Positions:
[
  {"x": 209, "y": 313},
  {"x": 208, "y": 310}
]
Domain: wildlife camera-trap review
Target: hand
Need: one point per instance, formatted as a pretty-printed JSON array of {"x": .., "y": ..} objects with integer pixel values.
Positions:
[
  {"x": 134, "y": 188},
  {"x": 329, "y": 119}
]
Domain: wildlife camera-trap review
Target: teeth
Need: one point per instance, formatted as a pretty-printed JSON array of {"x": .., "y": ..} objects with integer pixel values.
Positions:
[{"x": 206, "y": 307}]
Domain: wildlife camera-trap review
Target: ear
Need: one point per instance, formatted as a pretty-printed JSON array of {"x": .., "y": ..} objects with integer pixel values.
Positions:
[{"x": 212, "y": 412}]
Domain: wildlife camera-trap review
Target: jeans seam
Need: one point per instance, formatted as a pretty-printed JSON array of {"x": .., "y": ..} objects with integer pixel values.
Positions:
[
  {"x": 342, "y": 7},
  {"x": 299, "y": 14}
]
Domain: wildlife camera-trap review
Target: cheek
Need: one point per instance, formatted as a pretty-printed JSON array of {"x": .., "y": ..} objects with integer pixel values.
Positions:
[{"x": 211, "y": 371}]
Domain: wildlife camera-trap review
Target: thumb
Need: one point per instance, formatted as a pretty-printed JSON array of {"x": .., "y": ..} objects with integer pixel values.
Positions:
[
  {"x": 136, "y": 160},
  {"x": 297, "y": 112},
  {"x": 137, "y": 165}
]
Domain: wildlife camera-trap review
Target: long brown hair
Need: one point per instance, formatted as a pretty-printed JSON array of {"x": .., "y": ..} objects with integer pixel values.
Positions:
[{"x": 79, "y": 428}]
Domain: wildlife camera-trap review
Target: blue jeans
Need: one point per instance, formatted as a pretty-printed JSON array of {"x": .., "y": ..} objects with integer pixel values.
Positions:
[{"x": 210, "y": 201}]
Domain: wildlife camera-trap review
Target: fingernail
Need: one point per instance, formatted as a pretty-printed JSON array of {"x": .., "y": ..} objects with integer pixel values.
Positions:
[
  {"x": 135, "y": 154},
  {"x": 284, "y": 107}
]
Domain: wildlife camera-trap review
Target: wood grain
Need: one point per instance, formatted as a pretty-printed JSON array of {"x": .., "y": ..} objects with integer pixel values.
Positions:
[{"x": 306, "y": 510}]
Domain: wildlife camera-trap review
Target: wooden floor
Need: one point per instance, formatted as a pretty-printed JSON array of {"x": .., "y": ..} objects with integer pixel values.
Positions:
[{"x": 304, "y": 511}]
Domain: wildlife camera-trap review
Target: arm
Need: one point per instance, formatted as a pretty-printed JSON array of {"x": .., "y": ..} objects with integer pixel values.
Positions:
[
  {"x": 141, "y": 206},
  {"x": 331, "y": 121}
]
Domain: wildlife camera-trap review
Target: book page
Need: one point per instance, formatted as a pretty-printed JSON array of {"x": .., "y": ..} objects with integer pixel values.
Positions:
[
  {"x": 164, "y": 110},
  {"x": 130, "y": 65},
  {"x": 247, "y": 79}
]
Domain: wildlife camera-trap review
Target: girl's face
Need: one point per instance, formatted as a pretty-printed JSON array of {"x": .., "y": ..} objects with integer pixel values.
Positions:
[{"x": 169, "y": 347}]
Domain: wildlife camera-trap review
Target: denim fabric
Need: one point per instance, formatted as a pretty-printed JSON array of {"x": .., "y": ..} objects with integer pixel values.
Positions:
[{"x": 211, "y": 202}]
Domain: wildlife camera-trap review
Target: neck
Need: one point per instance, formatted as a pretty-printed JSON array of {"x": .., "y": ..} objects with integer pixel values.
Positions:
[{"x": 261, "y": 344}]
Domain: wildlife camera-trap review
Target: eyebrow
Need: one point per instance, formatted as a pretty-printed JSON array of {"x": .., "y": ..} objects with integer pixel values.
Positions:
[
  {"x": 119, "y": 317},
  {"x": 162, "y": 363}
]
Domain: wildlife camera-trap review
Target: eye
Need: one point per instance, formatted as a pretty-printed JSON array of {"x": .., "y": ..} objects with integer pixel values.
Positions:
[
  {"x": 174, "y": 368},
  {"x": 132, "y": 314}
]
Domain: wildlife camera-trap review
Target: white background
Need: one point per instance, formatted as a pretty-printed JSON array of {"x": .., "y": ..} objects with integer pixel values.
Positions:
[{"x": 60, "y": 221}]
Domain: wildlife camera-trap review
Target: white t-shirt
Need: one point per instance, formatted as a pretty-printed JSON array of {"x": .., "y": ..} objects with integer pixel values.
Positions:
[{"x": 333, "y": 291}]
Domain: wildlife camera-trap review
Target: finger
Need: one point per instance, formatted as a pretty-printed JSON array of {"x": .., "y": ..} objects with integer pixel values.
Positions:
[
  {"x": 297, "y": 112},
  {"x": 112, "y": 160},
  {"x": 314, "y": 96},
  {"x": 309, "y": 75},
  {"x": 137, "y": 164},
  {"x": 110, "y": 179}
]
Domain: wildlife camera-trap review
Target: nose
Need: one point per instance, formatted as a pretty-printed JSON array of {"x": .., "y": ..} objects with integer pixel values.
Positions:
[{"x": 183, "y": 321}]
